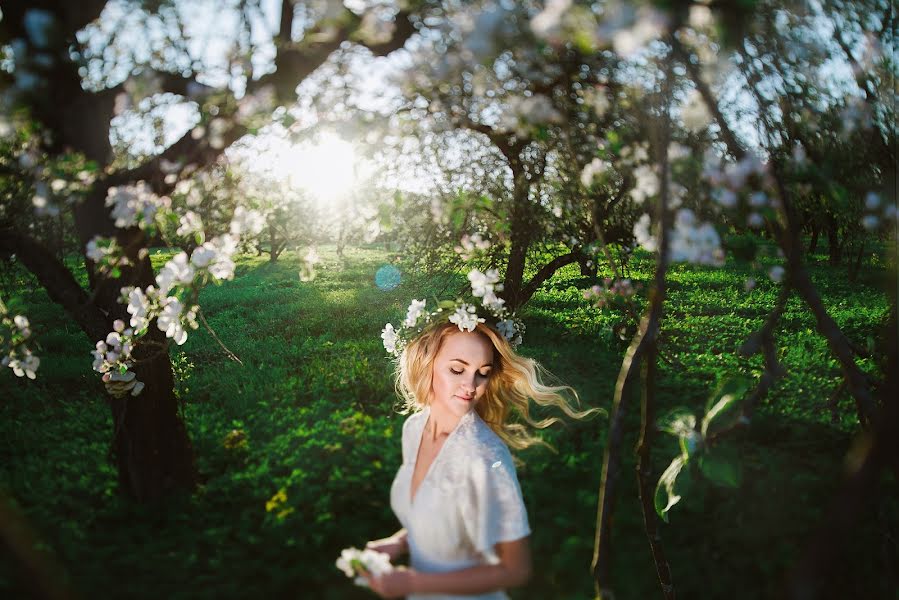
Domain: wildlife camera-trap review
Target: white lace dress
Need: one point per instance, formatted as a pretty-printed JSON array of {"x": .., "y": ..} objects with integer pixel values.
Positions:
[{"x": 467, "y": 502}]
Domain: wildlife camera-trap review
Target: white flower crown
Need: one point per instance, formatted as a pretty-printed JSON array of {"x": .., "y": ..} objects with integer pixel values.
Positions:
[{"x": 464, "y": 314}]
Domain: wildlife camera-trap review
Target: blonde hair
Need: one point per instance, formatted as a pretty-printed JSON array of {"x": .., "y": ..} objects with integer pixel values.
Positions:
[{"x": 513, "y": 382}]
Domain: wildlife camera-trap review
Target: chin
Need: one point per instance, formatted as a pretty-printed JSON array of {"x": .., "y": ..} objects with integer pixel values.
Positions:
[{"x": 458, "y": 406}]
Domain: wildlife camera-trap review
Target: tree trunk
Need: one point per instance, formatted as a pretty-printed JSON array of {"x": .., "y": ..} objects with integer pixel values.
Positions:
[
  {"x": 856, "y": 265},
  {"x": 152, "y": 450},
  {"x": 835, "y": 252},
  {"x": 813, "y": 244},
  {"x": 520, "y": 239},
  {"x": 587, "y": 270}
]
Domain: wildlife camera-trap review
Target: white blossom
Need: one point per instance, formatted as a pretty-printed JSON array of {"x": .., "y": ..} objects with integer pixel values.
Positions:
[
  {"x": 25, "y": 366},
  {"x": 23, "y": 325},
  {"x": 134, "y": 205},
  {"x": 352, "y": 559},
  {"x": 247, "y": 222},
  {"x": 189, "y": 223},
  {"x": 483, "y": 283},
  {"x": 647, "y": 183},
  {"x": 169, "y": 320},
  {"x": 591, "y": 171},
  {"x": 693, "y": 242},
  {"x": 466, "y": 317},
  {"x": 547, "y": 24},
  {"x": 643, "y": 236},
  {"x": 415, "y": 310},
  {"x": 139, "y": 306},
  {"x": 776, "y": 273},
  {"x": 177, "y": 271},
  {"x": 872, "y": 200},
  {"x": 389, "y": 336}
]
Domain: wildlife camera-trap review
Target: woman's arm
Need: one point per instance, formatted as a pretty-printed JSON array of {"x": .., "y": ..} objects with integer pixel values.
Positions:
[
  {"x": 513, "y": 569},
  {"x": 394, "y": 546}
]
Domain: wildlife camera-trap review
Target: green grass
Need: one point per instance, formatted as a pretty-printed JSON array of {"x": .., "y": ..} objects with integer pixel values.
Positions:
[{"x": 315, "y": 401}]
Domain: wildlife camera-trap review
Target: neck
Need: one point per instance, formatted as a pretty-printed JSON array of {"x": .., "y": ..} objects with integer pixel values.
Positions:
[{"x": 441, "y": 422}]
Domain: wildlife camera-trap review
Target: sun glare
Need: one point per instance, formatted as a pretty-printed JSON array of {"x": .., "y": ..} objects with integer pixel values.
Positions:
[{"x": 324, "y": 167}]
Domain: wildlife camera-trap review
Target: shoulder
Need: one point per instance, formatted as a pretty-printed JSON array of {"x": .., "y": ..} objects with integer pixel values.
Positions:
[
  {"x": 413, "y": 421},
  {"x": 485, "y": 448}
]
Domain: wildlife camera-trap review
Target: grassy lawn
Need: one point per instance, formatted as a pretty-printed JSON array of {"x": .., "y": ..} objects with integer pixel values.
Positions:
[{"x": 314, "y": 407}]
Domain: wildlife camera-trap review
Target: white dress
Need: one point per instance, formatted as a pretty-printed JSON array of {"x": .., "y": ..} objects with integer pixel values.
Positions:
[{"x": 467, "y": 502}]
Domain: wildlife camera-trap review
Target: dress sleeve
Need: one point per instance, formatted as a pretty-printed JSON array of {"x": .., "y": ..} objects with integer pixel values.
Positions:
[
  {"x": 494, "y": 510},
  {"x": 408, "y": 441}
]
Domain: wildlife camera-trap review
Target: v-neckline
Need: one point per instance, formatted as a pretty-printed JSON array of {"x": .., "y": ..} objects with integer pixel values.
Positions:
[{"x": 415, "y": 494}]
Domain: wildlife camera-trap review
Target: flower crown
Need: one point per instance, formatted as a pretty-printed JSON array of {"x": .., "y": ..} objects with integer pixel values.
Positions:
[{"x": 465, "y": 315}]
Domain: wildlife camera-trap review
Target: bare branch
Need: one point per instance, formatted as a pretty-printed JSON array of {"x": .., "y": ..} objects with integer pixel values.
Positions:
[{"x": 57, "y": 280}]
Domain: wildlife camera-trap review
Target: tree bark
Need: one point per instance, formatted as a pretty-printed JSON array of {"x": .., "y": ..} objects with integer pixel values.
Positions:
[
  {"x": 813, "y": 244},
  {"x": 520, "y": 239},
  {"x": 835, "y": 251}
]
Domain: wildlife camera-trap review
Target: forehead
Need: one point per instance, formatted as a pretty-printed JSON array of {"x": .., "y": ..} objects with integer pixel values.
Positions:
[{"x": 471, "y": 347}]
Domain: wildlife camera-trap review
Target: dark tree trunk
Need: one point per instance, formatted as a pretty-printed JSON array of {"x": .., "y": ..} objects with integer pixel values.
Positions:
[
  {"x": 856, "y": 265},
  {"x": 153, "y": 452},
  {"x": 835, "y": 251},
  {"x": 813, "y": 244},
  {"x": 520, "y": 239},
  {"x": 588, "y": 267}
]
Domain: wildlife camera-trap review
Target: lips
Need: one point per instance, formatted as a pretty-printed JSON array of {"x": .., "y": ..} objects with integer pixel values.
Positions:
[{"x": 465, "y": 398}]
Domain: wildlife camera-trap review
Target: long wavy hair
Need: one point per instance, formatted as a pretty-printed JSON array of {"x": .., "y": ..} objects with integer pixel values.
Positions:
[{"x": 514, "y": 381}]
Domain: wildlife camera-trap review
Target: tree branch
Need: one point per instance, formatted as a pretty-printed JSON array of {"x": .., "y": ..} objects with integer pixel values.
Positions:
[{"x": 58, "y": 281}]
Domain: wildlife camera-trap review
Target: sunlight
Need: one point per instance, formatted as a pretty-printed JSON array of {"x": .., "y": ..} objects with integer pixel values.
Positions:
[{"x": 325, "y": 167}]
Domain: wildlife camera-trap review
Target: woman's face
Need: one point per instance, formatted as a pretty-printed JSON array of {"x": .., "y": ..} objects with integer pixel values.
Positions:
[{"x": 461, "y": 370}]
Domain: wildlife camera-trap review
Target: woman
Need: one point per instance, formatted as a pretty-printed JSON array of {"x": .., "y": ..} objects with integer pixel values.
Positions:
[{"x": 456, "y": 493}]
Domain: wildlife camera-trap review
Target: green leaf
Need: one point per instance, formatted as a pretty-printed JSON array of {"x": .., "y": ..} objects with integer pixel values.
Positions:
[
  {"x": 672, "y": 485},
  {"x": 721, "y": 468},
  {"x": 723, "y": 408}
]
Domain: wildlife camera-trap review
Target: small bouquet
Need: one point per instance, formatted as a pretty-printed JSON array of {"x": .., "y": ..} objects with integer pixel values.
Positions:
[{"x": 353, "y": 561}]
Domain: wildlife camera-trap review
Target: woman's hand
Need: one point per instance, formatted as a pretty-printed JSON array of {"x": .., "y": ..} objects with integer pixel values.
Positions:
[
  {"x": 393, "y": 546},
  {"x": 396, "y": 584}
]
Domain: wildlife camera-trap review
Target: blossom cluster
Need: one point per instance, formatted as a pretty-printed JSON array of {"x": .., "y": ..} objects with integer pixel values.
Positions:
[
  {"x": 463, "y": 314},
  {"x": 525, "y": 113},
  {"x": 623, "y": 27},
  {"x": 691, "y": 241},
  {"x": 610, "y": 291},
  {"x": 106, "y": 254},
  {"x": 471, "y": 245},
  {"x": 18, "y": 356},
  {"x": 135, "y": 205},
  {"x": 353, "y": 561},
  {"x": 748, "y": 179},
  {"x": 168, "y": 301},
  {"x": 112, "y": 358}
]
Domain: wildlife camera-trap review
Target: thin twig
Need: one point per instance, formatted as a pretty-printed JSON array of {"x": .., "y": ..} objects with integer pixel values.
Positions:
[{"x": 230, "y": 354}]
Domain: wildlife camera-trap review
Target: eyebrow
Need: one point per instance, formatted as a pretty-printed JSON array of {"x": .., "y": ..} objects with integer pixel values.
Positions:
[{"x": 466, "y": 364}]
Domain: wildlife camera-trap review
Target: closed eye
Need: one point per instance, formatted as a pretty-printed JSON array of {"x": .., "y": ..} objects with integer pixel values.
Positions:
[{"x": 455, "y": 372}]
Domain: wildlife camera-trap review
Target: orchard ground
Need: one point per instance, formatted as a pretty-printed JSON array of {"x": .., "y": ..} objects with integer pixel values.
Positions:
[{"x": 297, "y": 448}]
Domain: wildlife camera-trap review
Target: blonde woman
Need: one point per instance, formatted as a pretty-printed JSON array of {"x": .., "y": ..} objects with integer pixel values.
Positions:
[{"x": 457, "y": 494}]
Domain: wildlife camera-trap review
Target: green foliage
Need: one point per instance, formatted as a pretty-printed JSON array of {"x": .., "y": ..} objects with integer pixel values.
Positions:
[{"x": 297, "y": 448}]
